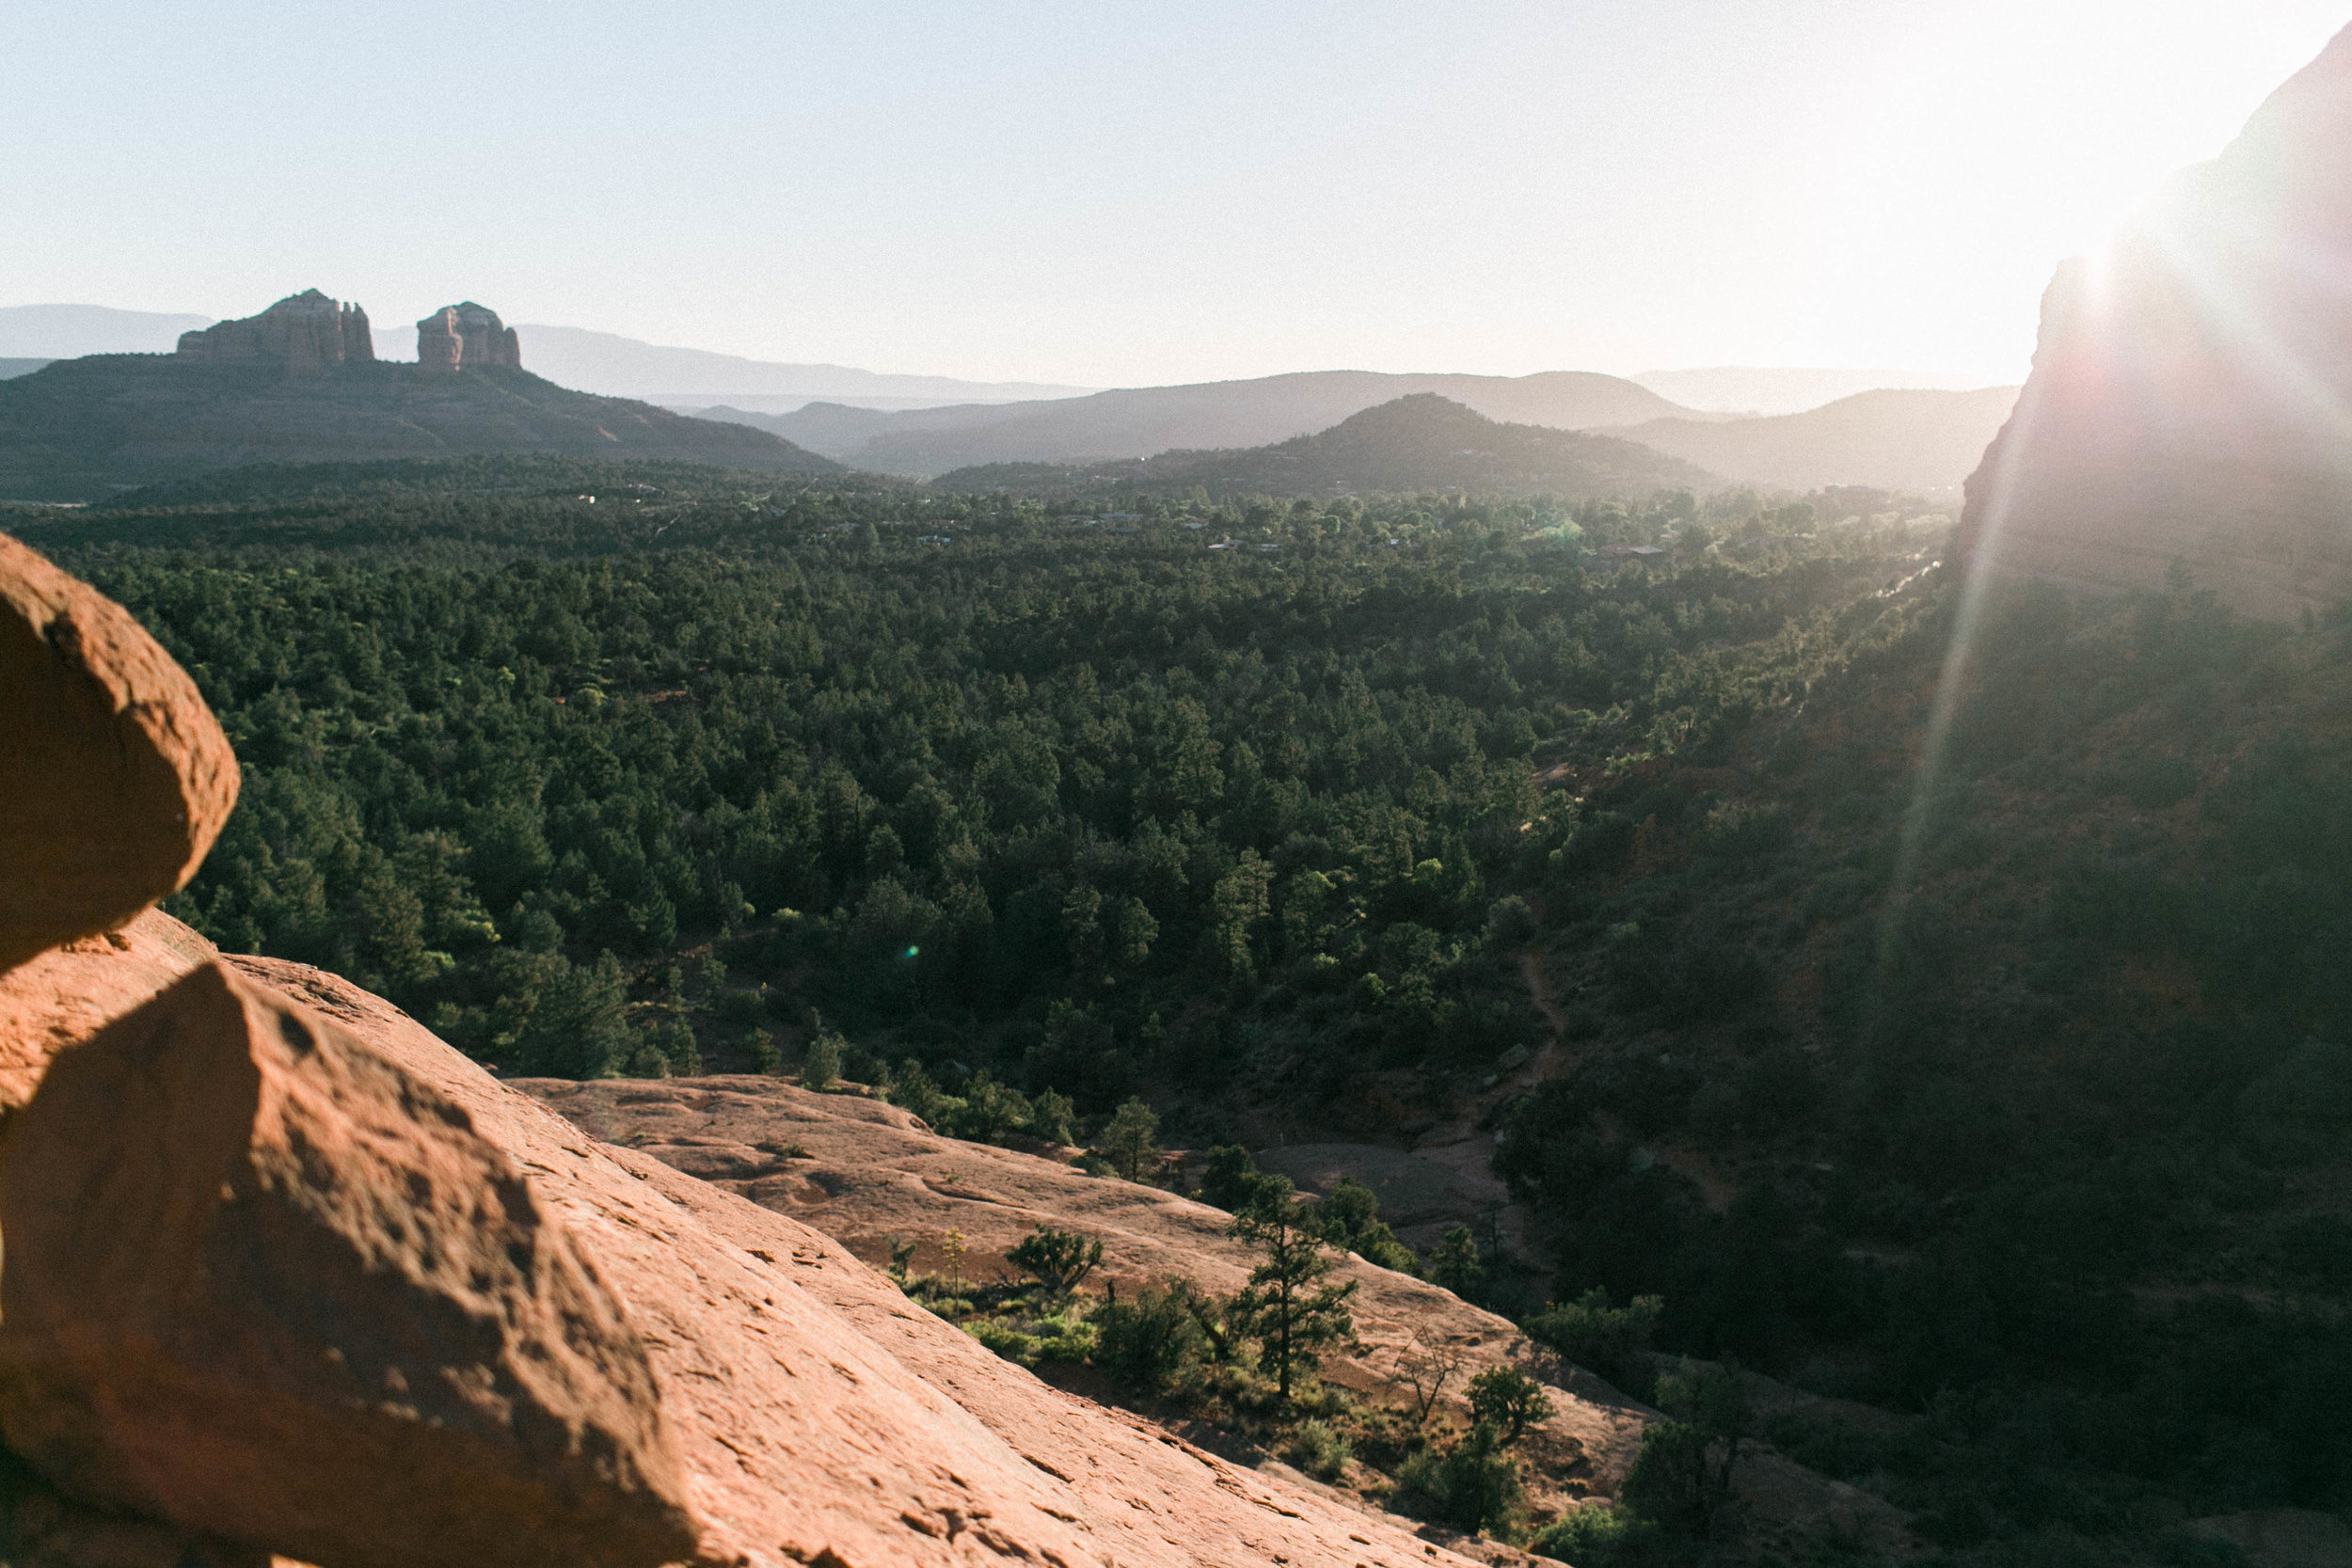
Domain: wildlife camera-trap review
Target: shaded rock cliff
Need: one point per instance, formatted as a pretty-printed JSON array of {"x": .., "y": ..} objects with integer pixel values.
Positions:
[{"x": 2191, "y": 396}]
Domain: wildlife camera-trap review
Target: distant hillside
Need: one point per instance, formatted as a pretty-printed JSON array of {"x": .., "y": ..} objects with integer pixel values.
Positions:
[
  {"x": 11, "y": 368},
  {"x": 1140, "y": 421},
  {"x": 69, "y": 331},
  {"x": 83, "y": 428},
  {"x": 1418, "y": 442},
  {"x": 1788, "y": 388},
  {"x": 1892, "y": 440},
  {"x": 614, "y": 366}
]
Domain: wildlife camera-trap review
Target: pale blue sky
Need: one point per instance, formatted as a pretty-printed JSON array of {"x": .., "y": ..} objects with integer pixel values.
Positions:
[{"x": 1109, "y": 194}]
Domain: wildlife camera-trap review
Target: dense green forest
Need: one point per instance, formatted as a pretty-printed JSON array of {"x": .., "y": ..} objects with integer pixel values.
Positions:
[
  {"x": 646, "y": 780},
  {"x": 1985, "y": 1063}
]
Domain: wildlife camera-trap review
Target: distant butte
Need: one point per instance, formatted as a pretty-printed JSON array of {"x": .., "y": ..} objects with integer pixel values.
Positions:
[
  {"x": 466, "y": 336},
  {"x": 2191, "y": 397},
  {"x": 307, "y": 333}
]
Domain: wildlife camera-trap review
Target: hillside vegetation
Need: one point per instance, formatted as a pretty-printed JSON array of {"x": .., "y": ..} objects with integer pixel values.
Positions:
[
  {"x": 81, "y": 429},
  {"x": 2004, "y": 1080}
]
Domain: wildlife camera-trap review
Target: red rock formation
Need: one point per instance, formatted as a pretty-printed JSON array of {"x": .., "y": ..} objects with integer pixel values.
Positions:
[
  {"x": 2191, "y": 397},
  {"x": 820, "y": 1412},
  {"x": 304, "y": 333},
  {"x": 115, "y": 776},
  {"x": 67, "y": 994},
  {"x": 264, "y": 1284},
  {"x": 466, "y": 336}
]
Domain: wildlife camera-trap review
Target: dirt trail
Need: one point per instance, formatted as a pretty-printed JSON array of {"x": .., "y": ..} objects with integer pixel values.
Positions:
[
  {"x": 1553, "y": 1060},
  {"x": 1688, "y": 1163},
  {"x": 1465, "y": 1142},
  {"x": 1539, "y": 991}
]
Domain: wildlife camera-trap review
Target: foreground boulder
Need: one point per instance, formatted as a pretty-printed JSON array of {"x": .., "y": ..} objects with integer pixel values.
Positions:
[
  {"x": 114, "y": 776},
  {"x": 68, "y": 994},
  {"x": 262, "y": 1283}
]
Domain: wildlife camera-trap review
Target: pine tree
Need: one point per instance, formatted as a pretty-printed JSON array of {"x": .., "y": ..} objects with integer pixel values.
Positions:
[
  {"x": 1129, "y": 1140},
  {"x": 1289, "y": 1306}
]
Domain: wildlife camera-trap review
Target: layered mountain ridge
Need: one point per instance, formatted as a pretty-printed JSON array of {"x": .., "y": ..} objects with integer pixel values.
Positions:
[
  {"x": 1138, "y": 422},
  {"x": 1421, "y": 441}
]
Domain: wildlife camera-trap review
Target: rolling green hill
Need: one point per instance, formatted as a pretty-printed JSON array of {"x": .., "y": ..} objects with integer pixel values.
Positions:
[{"x": 1416, "y": 443}]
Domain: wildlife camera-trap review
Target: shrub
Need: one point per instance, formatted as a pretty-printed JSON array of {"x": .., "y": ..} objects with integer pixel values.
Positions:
[
  {"x": 1599, "y": 1536},
  {"x": 1350, "y": 1215},
  {"x": 1683, "y": 1473},
  {"x": 912, "y": 1088},
  {"x": 1508, "y": 1400},
  {"x": 1053, "y": 1118},
  {"x": 1149, "y": 1343},
  {"x": 1455, "y": 1264},
  {"x": 1474, "y": 1485},
  {"x": 1005, "y": 1339},
  {"x": 987, "y": 1112},
  {"x": 675, "y": 1039},
  {"x": 1317, "y": 1448},
  {"x": 1231, "y": 1177},
  {"x": 1425, "y": 1367},
  {"x": 820, "y": 1069},
  {"x": 1613, "y": 1342},
  {"x": 1060, "y": 1260}
]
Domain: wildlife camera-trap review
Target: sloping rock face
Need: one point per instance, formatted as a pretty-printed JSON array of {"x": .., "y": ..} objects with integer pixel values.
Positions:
[
  {"x": 304, "y": 334},
  {"x": 819, "y": 1411},
  {"x": 866, "y": 1173},
  {"x": 2191, "y": 397},
  {"x": 114, "y": 775},
  {"x": 466, "y": 336},
  {"x": 263, "y": 1283}
]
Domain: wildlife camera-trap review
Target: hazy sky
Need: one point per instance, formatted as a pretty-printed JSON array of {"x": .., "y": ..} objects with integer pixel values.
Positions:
[{"x": 1110, "y": 193}]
